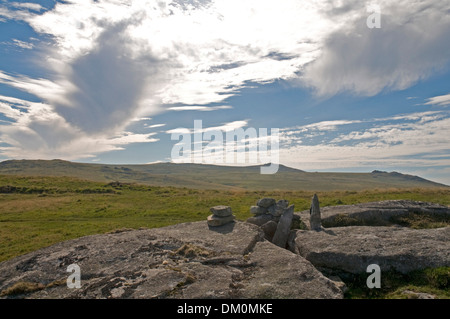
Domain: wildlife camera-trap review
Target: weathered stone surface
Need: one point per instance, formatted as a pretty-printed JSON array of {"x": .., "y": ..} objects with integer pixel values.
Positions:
[
  {"x": 221, "y": 211},
  {"x": 375, "y": 213},
  {"x": 260, "y": 219},
  {"x": 272, "y": 210},
  {"x": 291, "y": 245},
  {"x": 339, "y": 283},
  {"x": 283, "y": 228},
  {"x": 279, "y": 208},
  {"x": 286, "y": 275},
  {"x": 269, "y": 229},
  {"x": 266, "y": 202},
  {"x": 219, "y": 221},
  {"x": 297, "y": 222},
  {"x": 190, "y": 260},
  {"x": 314, "y": 219},
  {"x": 256, "y": 210},
  {"x": 283, "y": 203},
  {"x": 351, "y": 249}
]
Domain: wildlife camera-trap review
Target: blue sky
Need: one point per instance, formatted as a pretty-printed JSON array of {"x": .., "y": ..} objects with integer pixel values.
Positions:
[{"x": 108, "y": 81}]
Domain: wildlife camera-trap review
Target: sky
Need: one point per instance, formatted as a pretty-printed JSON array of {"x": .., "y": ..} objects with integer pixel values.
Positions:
[{"x": 352, "y": 86}]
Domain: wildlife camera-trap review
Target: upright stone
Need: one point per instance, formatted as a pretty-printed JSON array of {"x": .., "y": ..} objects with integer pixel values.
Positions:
[
  {"x": 314, "y": 214},
  {"x": 284, "y": 226}
]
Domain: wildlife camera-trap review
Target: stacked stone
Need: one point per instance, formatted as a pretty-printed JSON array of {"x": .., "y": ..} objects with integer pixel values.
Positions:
[
  {"x": 221, "y": 215},
  {"x": 267, "y": 209},
  {"x": 275, "y": 218}
]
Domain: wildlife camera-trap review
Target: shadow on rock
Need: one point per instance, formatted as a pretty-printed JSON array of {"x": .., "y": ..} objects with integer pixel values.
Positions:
[{"x": 224, "y": 229}]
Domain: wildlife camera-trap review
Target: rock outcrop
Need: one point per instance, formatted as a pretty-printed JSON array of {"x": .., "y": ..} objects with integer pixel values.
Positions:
[
  {"x": 381, "y": 213},
  {"x": 225, "y": 258},
  {"x": 191, "y": 260},
  {"x": 275, "y": 219},
  {"x": 351, "y": 249}
]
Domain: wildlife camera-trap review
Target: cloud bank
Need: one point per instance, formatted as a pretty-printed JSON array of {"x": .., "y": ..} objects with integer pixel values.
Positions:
[
  {"x": 109, "y": 62},
  {"x": 409, "y": 47},
  {"x": 411, "y": 140}
]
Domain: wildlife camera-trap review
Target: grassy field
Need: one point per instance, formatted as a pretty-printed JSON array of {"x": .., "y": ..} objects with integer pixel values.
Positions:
[
  {"x": 198, "y": 176},
  {"x": 39, "y": 211}
]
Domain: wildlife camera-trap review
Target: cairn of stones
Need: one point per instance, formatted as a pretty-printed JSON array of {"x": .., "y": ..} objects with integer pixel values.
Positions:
[
  {"x": 275, "y": 218},
  {"x": 221, "y": 215}
]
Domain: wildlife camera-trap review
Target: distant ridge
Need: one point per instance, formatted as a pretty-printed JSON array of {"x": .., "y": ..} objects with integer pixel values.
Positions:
[{"x": 203, "y": 176}]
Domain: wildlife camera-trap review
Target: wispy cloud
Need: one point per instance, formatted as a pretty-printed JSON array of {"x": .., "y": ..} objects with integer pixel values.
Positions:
[
  {"x": 36, "y": 131},
  {"x": 26, "y": 5},
  {"x": 201, "y": 108},
  {"x": 441, "y": 100},
  {"x": 155, "y": 125},
  {"x": 397, "y": 141},
  {"x": 225, "y": 127},
  {"x": 19, "y": 44}
]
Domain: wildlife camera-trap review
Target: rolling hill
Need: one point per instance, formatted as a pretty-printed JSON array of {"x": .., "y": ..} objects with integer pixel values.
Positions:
[{"x": 215, "y": 177}]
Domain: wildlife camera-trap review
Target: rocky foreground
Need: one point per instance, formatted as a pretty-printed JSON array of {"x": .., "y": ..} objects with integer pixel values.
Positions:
[
  {"x": 191, "y": 260},
  {"x": 231, "y": 259}
]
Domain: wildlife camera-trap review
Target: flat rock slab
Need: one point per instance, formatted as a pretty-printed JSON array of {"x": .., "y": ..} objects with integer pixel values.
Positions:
[
  {"x": 190, "y": 260},
  {"x": 286, "y": 275},
  {"x": 376, "y": 212},
  {"x": 221, "y": 211},
  {"x": 351, "y": 249},
  {"x": 215, "y": 221}
]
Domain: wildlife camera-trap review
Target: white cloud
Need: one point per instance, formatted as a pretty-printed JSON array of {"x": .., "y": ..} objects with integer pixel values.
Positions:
[
  {"x": 15, "y": 14},
  {"x": 155, "y": 125},
  {"x": 23, "y": 44},
  {"x": 225, "y": 127},
  {"x": 10, "y": 112},
  {"x": 441, "y": 100},
  {"x": 45, "y": 89},
  {"x": 27, "y": 5},
  {"x": 201, "y": 108},
  {"x": 180, "y": 130},
  {"x": 399, "y": 141},
  {"x": 410, "y": 45},
  {"x": 38, "y": 132},
  {"x": 112, "y": 61},
  {"x": 178, "y": 53},
  {"x": 319, "y": 126}
]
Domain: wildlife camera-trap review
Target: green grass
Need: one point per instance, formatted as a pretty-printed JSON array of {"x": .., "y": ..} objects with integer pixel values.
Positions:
[
  {"x": 45, "y": 210},
  {"x": 214, "y": 177},
  {"x": 434, "y": 281}
]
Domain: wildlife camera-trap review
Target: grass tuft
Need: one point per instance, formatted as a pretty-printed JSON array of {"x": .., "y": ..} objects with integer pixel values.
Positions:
[{"x": 22, "y": 287}]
